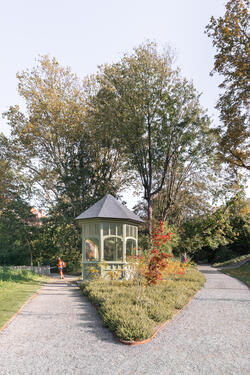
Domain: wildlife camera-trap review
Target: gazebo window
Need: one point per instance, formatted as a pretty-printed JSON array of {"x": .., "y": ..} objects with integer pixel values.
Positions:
[
  {"x": 130, "y": 247},
  {"x": 92, "y": 249},
  {"x": 131, "y": 231},
  {"x": 113, "y": 249},
  {"x": 105, "y": 229},
  {"x": 112, "y": 229},
  {"x": 91, "y": 230}
]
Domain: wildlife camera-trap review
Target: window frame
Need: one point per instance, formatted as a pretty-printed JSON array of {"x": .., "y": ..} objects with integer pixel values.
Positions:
[{"x": 118, "y": 238}]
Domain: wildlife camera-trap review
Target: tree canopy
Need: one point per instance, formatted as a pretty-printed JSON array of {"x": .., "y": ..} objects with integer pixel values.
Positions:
[
  {"x": 52, "y": 153},
  {"x": 154, "y": 118},
  {"x": 51, "y": 145},
  {"x": 136, "y": 122},
  {"x": 224, "y": 230},
  {"x": 230, "y": 36}
]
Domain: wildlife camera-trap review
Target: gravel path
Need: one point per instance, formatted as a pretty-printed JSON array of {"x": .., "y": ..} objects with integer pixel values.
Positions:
[{"x": 59, "y": 332}]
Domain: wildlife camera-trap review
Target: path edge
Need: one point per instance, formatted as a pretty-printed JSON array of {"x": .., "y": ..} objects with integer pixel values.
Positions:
[
  {"x": 22, "y": 307},
  {"x": 158, "y": 328},
  {"x": 132, "y": 343}
]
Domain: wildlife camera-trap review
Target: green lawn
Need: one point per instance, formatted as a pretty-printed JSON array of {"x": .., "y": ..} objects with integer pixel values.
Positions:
[
  {"x": 232, "y": 262},
  {"x": 116, "y": 303},
  {"x": 242, "y": 273},
  {"x": 16, "y": 286}
]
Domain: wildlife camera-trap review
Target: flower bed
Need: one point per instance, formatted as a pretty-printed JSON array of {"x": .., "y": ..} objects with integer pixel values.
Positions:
[{"x": 133, "y": 319}]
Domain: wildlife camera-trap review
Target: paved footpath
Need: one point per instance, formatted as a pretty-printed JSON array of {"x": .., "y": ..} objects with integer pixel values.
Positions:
[{"x": 59, "y": 332}]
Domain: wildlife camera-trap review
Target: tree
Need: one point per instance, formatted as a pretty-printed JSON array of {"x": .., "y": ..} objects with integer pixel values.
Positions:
[
  {"x": 8, "y": 184},
  {"x": 6, "y": 178},
  {"x": 53, "y": 152},
  {"x": 225, "y": 229},
  {"x": 17, "y": 234},
  {"x": 178, "y": 203},
  {"x": 153, "y": 116},
  {"x": 175, "y": 204},
  {"x": 59, "y": 236},
  {"x": 231, "y": 38},
  {"x": 51, "y": 146}
]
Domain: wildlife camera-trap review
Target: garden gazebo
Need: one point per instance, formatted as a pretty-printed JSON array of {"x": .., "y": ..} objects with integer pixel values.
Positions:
[{"x": 109, "y": 234}]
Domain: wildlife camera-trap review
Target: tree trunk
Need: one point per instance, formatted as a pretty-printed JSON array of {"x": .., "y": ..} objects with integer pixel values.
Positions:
[
  {"x": 31, "y": 258},
  {"x": 150, "y": 215},
  {"x": 31, "y": 255}
]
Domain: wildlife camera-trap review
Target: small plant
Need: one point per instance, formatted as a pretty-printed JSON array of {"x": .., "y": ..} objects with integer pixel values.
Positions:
[
  {"x": 115, "y": 274},
  {"x": 137, "y": 269},
  {"x": 104, "y": 271},
  {"x": 93, "y": 272},
  {"x": 158, "y": 263},
  {"x": 174, "y": 267}
]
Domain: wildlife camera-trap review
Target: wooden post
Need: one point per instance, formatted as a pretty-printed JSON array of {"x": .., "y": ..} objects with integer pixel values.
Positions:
[
  {"x": 83, "y": 249},
  {"x": 124, "y": 242}
]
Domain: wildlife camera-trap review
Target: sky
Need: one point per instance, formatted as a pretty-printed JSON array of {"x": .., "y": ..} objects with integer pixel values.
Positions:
[{"x": 84, "y": 34}]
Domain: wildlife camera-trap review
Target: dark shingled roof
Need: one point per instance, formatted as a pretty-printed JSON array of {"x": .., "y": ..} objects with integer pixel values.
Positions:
[{"x": 109, "y": 208}]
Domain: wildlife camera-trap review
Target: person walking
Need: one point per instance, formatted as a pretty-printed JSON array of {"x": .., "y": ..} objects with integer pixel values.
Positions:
[
  {"x": 60, "y": 266},
  {"x": 184, "y": 257}
]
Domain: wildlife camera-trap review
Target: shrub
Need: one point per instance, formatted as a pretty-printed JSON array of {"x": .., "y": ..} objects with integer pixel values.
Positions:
[
  {"x": 158, "y": 261},
  {"x": 16, "y": 275},
  {"x": 223, "y": 254}
]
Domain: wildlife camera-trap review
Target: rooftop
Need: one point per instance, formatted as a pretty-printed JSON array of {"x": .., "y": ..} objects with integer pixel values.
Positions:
[{"x": 109, "y": 208}]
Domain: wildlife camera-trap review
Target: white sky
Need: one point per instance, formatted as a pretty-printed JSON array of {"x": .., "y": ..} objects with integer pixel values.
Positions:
[{"x": 86, "y": 33}]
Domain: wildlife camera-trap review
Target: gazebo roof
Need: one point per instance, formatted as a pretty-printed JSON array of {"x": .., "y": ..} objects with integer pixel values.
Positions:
[{"x": 109, "y": 208}]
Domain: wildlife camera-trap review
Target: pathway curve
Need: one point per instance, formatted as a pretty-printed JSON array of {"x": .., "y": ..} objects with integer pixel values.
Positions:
[{"x": 59, "y": 332}]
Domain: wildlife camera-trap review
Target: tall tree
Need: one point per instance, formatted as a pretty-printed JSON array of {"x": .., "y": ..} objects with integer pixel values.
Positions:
[
  {"x": 53, "y": 152},
  {"x": 6, "y": 178},
  {"x": 51, "y": 145},
  {"x": 177, "y": 203},
  {"x": 8, "y": 184},
  {"x": 154, "y": 117},
  {"x": 17, "y": 235},
  {"x": 230, "y": 35}
]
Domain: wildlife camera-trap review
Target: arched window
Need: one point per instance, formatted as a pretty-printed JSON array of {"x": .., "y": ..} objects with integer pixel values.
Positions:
[
  {"x": 113, "y": 249},
  {"x": 92, "y": 249}
]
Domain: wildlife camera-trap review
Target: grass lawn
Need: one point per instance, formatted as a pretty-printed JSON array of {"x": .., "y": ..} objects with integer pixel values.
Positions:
[
  {"x": 116, "y": 303},
  {"x": 16, "y": 286},
  {"x": 232, "y": 262},
  {"x": 242, "y": 273}
]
